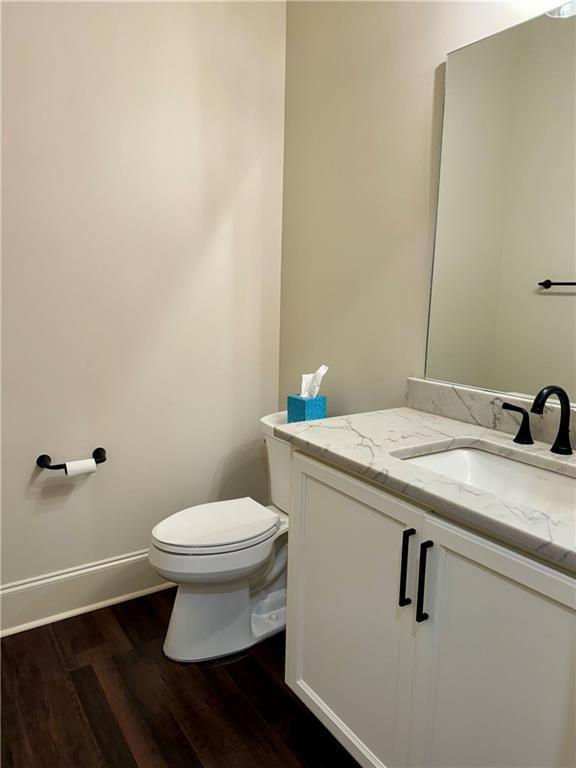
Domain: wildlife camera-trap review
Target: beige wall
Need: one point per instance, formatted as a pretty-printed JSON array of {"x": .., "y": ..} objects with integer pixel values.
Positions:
[
  {"x": 363, "y": 116},
  {"x": 142, "y": 215}
]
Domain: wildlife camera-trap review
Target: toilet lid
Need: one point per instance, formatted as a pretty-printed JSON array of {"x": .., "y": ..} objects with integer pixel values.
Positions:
[{"x": 221, "y": 525}]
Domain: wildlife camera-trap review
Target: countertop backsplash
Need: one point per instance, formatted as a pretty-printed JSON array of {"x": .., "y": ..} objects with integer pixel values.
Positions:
[{"x": 484, "y": 408}]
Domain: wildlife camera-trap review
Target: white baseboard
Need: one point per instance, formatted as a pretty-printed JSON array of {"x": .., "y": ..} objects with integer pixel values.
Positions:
[{"x": 53, "y": 596}]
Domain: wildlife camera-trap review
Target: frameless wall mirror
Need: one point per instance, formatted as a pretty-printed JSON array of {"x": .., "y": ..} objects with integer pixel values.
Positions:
[{"x": 507, "y": 213}]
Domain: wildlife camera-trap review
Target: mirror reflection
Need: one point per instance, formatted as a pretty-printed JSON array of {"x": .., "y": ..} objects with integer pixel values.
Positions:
[{"x": 506, "y": 213}]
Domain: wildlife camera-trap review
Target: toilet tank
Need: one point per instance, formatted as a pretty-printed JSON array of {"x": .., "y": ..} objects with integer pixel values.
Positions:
[{"x": 278, "y": 461}]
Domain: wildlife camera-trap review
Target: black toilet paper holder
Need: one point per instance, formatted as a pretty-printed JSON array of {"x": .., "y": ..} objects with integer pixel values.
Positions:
[{"x": 45, "y": 461}]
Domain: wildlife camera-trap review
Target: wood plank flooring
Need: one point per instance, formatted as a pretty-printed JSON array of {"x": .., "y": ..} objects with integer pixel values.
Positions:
[{"x": 96, "y": 691}]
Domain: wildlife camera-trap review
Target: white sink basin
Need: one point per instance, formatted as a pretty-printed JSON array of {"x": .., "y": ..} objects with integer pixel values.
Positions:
[{"x": 509, "y": 480}]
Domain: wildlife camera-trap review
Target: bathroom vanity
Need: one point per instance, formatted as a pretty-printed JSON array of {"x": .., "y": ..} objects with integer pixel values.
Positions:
[
  {"x": 430, "y": 622},
  {"x": 432, "y": 559}
]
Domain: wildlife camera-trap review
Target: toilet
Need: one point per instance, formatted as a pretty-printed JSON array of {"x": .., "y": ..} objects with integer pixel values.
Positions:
[{"x": 229, "y": 561}]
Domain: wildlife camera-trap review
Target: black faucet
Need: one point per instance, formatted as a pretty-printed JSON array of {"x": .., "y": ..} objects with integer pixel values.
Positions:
[
  {"x": 524, "y": 436},
  {"x": 562, "y": 442}
]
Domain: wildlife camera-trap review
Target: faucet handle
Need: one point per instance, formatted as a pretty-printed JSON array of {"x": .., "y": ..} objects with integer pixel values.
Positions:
[{"x": 524, "y": 436}]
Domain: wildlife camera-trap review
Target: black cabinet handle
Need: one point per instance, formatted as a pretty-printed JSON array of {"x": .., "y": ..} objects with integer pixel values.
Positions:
[
  {"x": 402, "y": 599},
  {"x": 421, "y": 614}
]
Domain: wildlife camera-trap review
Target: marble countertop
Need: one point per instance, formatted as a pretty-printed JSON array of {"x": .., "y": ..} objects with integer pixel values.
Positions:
[{"x": 366, "y": 444}]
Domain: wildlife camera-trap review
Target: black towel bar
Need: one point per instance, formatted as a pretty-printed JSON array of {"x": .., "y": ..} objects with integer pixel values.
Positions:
[{"x": 549, "y": 283}]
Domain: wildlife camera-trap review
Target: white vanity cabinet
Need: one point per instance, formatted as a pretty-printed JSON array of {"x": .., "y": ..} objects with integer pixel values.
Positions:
[
  {"x": 494, "y": 666},
  {"x": 486, "y": 680},
  {"x": 349, "y": 649}
]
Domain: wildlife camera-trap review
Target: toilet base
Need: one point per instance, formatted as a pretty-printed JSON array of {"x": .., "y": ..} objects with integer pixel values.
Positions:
[{"x": 217, "y": 620}]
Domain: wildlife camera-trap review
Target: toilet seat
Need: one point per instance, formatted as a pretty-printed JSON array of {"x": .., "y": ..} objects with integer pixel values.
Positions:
[{"x": 219, "y": 527}]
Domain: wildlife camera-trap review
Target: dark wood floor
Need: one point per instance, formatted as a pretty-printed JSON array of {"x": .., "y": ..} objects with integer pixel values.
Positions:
[{"x": 96, "y": 690}]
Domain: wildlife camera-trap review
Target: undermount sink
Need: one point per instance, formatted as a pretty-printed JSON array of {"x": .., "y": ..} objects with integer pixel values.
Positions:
[{"x": 509, "y": 480}]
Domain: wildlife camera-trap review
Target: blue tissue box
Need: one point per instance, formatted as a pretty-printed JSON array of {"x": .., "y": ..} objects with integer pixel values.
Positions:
[{"x": 306, "y": 408}]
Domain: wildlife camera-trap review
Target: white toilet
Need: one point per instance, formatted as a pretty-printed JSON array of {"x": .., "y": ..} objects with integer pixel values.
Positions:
[{"x": 229, "y": 560}]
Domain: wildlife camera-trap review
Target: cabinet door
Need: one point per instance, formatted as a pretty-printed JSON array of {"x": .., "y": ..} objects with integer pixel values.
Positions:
[
  {"x": 494, "y": 662},
  {"x": 349, "y": 644}
]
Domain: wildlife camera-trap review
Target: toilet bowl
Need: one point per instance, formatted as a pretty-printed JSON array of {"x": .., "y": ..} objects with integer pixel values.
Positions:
[{"x": 229, "y": 560}]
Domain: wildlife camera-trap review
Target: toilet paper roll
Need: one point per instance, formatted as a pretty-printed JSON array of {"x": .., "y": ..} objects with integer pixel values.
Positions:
[{"x": 81, "y": 467}]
